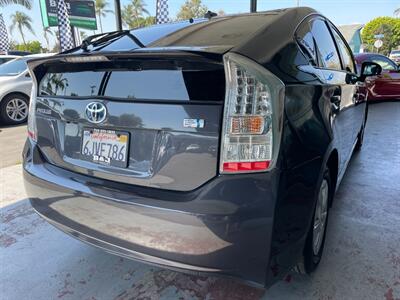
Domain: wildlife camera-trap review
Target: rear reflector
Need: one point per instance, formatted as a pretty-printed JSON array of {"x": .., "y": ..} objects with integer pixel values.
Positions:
[
  {"x": 32, "y": 135},
  {"x": 245, "y": 166}
]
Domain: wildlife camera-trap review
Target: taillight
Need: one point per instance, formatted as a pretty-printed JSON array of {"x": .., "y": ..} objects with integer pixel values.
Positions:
[
  {"x": 253, "y": 110},
  {"x": 32, "y": 129}
]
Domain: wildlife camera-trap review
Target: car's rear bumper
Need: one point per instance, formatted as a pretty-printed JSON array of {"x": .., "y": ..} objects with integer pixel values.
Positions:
[{"x": 224, "y": 227}]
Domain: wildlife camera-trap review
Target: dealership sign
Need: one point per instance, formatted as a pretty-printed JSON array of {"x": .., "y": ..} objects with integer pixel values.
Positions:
[{"x": 81, "y": 13}]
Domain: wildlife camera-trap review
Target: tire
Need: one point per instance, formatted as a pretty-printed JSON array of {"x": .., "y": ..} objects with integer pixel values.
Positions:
[
  {"x": 360, "y": 136},
  {"x": 14, "y": 109},
  {"x": 312, "y": 252}
]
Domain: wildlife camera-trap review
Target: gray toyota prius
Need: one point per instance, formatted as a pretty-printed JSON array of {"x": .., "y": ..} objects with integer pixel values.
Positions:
[{"x": 211, "y": 146}]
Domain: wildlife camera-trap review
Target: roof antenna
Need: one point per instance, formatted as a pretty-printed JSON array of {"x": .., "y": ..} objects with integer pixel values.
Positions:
[{"x": 209, "y": 14}]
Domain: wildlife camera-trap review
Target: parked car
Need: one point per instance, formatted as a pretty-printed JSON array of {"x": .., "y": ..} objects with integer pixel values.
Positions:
[
  {"x": 15, "y": 90},
  {"x": 213, "y": 145},
  {"x": 386, "y": 86},
  {"x": 19, "y": 53},
  {"x": 395, "y": 56},
  {"x": 6, "y": 58}
]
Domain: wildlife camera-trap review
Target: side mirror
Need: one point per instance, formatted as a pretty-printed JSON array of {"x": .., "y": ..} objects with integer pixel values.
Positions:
[{"x": 369, "y": 69}]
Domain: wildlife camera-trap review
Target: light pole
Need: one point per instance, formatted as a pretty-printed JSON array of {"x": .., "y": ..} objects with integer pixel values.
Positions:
[
  {"x": 118, "y": 19},
  {"x": 253, "y": 6}
]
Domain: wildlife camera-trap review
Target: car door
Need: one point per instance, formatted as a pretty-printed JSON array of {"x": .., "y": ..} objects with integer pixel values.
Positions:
[
  {"x": 387, "y": 84},
  {"x": 341, "y": 93},
  {"x": 354, "y": 86}
]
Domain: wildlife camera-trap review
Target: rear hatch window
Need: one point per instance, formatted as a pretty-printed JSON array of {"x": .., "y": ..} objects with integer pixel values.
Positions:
[
  {"x": 160, "y": 119},
  {"x": 161, "y": 81},
  {"x": 75, "y": 84}
]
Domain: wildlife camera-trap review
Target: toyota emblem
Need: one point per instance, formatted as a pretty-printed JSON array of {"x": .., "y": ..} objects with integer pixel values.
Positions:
[{"x": 96, "y": 112}]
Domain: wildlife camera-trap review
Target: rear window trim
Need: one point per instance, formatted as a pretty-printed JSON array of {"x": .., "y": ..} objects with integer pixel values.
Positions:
[{"x": 142, "y": 101}]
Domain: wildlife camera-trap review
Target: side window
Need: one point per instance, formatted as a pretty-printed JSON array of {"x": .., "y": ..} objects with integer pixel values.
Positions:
[
  {"x": 326, "y": 49},
  {"x": 385, "y": 63},
  {"x": 305, "y": 39},
  {"x": 348, "y": 63}
]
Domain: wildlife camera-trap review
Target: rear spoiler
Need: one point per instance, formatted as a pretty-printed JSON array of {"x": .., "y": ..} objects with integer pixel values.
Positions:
[{"x": 210, "y": 52}]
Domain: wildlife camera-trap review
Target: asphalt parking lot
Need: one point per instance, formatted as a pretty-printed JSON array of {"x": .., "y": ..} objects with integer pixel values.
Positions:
[{"x": 361, "y": 259}]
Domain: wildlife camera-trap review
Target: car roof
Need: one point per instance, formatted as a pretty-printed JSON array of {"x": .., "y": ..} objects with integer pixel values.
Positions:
[
  {"x": 366, "y": 55},
  {"x": 9, "y": 56},
  {"x": 217, "y": 34}
]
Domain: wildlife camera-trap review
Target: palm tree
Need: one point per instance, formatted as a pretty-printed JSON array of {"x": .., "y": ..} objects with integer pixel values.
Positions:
[
  {"x": 101, "y": 11},
  {"x": 3, "y": 31},
  {"x": 21, "y": 21},
  {"x": 25, "y": 3},
  {"x": 133, "y": 12},
  {"x": 46, "y": 32},
  {"x": 396, "y": 12}
]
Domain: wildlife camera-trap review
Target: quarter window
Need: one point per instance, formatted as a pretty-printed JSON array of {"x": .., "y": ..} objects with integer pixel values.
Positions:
[
  {"x": 326, "y": 49},
  {"x": 348, "y": 63},
  {"x": 306, "y": 41}
]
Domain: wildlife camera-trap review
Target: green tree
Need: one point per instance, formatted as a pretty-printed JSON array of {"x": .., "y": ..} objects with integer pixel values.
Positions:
[
  {"x": 46, "y": 32},
  {"x": 147, "y": 21},
  {"x": 132, "y": 14},
  {"x": 192, "y": 9},
  {"x": 32, "y": 46},
  {"x": 20, "y": 21},
  {"x": 26, "y": 3},
  {"x": 389, "y": 27},
  {"x": 102, "y": 11}
]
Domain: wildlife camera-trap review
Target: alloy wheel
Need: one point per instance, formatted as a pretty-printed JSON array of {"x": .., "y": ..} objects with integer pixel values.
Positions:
[
  {"x": 17, "y": 109},
  {"x": 320, "y": 217}
]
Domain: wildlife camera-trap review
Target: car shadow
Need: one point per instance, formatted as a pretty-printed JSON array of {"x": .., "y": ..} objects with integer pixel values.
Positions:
[{"x": 11, "y": 126}]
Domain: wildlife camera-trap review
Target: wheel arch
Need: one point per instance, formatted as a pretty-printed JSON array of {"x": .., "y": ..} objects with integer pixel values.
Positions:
[{"x": 15, "y": 93}]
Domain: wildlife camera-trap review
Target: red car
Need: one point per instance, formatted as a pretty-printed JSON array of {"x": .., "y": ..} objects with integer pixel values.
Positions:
[{"x": 385, "y": 86}]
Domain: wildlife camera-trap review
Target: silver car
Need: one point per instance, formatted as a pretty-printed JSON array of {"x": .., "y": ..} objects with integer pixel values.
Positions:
[
  {"x": 15, "y": 90},
  {"x": 395, "y": 56},
  {"x": 6, "y": 58}
]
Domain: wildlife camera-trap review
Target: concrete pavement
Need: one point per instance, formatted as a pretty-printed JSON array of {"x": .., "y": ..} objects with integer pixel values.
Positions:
[
  {"x": 12, "y": 140},
  {"x": 361, "y": 258}
]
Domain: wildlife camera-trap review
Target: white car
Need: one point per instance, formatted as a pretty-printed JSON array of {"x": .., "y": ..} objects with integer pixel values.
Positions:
[
  {"x": 6, "y": 58},
  {"x": 15, "y": 90},
  {"x": 395, "y": 56}
]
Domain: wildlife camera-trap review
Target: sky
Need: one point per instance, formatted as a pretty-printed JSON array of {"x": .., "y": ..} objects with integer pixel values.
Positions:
[{"x": 339, "y": 12}]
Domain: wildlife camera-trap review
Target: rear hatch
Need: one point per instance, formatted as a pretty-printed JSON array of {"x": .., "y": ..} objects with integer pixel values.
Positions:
[{"x": 147, "y": 118}]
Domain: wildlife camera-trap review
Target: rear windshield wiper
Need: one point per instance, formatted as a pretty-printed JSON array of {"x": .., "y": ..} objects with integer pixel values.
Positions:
[{"x": 98, "y": 39}]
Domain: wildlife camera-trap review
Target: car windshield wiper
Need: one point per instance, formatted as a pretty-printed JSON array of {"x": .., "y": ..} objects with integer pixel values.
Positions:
[{"x": 98, "y": 39}]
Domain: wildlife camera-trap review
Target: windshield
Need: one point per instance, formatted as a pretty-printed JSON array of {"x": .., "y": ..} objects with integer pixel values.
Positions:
[
  {"x": 395, "y": 52},
  {"x": 13, "y": 68}
]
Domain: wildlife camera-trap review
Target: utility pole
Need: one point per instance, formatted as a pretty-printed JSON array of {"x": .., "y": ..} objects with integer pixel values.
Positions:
[
  {"x": 253, "y": 6},
  {"x": 118, "y": 19}
]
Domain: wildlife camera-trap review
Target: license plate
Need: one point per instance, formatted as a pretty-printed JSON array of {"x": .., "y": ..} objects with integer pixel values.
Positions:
[{"x": 108, "y": 147}]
